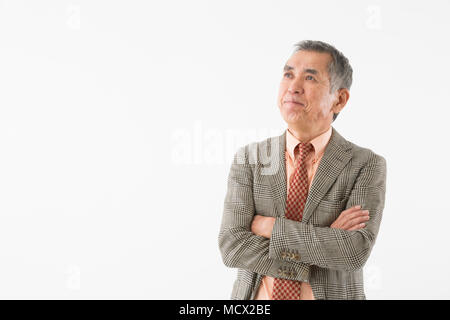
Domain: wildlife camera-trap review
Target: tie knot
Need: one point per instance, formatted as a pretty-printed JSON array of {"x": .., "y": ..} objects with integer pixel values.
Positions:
[{"x": 303, "y": 150}]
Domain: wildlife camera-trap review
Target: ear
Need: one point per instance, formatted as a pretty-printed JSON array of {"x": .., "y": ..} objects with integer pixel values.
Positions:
[{"x": 341, "y": 100}]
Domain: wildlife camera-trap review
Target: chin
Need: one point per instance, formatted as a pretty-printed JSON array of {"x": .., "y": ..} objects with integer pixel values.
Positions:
[
  {"x": 293, "y": 119},
  {"x": 291, "y": 116}
]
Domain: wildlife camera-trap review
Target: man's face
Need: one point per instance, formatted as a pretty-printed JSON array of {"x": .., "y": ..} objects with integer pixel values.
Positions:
[{"x": 304, "y": 96}]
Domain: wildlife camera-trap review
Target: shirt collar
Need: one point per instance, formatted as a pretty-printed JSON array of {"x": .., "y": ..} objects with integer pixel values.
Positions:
[{"x": 319, "y": 142}]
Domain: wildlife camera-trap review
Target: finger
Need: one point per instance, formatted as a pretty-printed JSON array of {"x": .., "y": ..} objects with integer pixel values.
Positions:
[
  {"x": 350, "y": 213},
  {"x": 350, "y": 210},
  {"x": 358, "y": 220},
  {"x": 346, "y": 219},
  {"x": 357, "y": 227},
  {"x": 357, "y": 214}
]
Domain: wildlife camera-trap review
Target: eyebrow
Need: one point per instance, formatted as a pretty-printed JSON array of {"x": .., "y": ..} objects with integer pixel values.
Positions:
[
  {"x": 287, "y": 67},
  {"x": 307, "y": 70}
]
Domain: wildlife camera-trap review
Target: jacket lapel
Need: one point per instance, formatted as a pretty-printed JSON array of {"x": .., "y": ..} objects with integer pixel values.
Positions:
[
  {"x": 277, "y": 180},
  {"x": 336, "y": 156}
]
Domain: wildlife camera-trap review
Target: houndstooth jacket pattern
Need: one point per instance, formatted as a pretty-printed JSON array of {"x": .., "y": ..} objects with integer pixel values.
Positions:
[{"x": 330, "y": 259}]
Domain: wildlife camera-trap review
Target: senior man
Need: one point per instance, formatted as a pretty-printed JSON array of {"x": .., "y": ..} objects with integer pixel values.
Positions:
[{"x": 303, "y": 209}]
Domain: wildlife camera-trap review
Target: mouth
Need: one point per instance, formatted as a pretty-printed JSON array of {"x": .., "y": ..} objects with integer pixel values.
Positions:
[{"x": 293, "y": 103}]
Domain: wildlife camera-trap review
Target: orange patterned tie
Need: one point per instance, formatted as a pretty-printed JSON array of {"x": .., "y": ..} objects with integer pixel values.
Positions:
[{"x": 284, "y": 289}]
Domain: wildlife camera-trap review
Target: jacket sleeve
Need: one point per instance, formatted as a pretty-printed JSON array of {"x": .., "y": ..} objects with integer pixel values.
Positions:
[
  {"x": 239, "y": 247},
  {"x": 336, "y": 248}
]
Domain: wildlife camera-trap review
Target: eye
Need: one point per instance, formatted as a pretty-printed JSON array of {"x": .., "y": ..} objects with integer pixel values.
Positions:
[
  {"x": 308, "y": 77},
  {"x": 287, "y": 74}
]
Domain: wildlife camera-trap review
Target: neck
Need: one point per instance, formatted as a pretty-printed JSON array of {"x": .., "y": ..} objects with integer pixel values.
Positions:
[{"x": 306, "y": 135}]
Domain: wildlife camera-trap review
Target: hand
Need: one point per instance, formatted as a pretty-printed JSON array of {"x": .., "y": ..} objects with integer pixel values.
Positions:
[
  {"x": 262, "y": 226},
  {"x": 351, "y": 219}
]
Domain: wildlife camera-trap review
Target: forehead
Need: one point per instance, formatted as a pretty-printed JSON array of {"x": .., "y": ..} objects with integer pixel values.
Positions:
[{"x": 302, "y": 59}]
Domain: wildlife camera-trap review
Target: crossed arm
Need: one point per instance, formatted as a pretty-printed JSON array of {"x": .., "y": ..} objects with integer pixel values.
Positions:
[
  {"x": 349, "y": 219},
  {"x": 239, "y": 246},
  {"x": 254, "y": 242}
]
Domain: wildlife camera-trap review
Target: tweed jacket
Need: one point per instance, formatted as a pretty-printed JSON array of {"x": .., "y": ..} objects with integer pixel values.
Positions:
[{"x": 330, "y": 259}]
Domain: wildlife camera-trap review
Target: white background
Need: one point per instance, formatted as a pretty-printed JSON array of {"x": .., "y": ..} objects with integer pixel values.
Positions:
[{"x": 119, "y": 119}]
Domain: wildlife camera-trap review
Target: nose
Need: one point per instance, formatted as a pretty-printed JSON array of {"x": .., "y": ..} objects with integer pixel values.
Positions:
[{"x": 296, "y": 86}]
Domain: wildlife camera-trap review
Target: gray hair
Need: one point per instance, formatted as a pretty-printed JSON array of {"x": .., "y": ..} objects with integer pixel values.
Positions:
[{"x": 339, "y": 68}]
